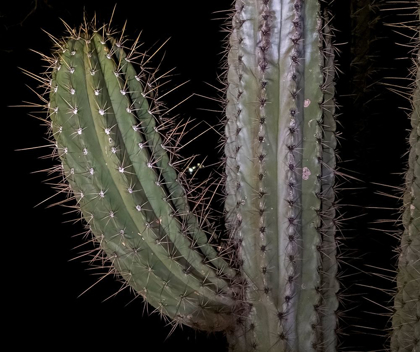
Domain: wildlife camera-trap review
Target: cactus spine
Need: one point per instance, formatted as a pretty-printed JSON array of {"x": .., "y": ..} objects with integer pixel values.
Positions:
[{"x": 279, "y": 290}]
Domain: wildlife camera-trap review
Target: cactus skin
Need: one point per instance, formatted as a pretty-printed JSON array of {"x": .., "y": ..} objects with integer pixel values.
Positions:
[{"x": 406, "y": 319}]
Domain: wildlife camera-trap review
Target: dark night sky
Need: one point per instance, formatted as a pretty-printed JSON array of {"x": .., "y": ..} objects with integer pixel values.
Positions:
[{"x": 41, "y": 282}]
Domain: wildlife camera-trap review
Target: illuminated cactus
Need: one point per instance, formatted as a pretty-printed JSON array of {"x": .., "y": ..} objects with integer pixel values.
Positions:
[
  {"x": 273, "y": 285},
  {"x": 280, "y": 137}
]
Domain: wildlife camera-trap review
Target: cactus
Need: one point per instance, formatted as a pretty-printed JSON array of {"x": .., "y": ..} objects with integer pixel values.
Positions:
[{"x": 273, "y": 285}]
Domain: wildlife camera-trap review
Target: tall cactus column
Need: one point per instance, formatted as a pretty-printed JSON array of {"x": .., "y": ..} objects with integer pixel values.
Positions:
[{"x": 280, "y": 140}]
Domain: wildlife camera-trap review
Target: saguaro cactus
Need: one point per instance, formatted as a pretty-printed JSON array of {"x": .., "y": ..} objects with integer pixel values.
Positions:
[{"x": 273, "y": 286}]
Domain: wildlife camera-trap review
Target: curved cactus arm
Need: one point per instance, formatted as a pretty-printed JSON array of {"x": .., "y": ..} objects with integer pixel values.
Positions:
[
  {"x": 280, "y": 173},
  {"x": 125, "y": 185},
  {"x": 406, "y": 319}
]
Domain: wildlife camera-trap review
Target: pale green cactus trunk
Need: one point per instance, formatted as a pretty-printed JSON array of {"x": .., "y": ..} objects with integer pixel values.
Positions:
[{"x": 280, "y": 173}]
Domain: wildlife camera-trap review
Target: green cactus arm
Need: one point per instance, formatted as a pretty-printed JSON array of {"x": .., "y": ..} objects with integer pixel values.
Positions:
[{"x": 121, "y": 195}]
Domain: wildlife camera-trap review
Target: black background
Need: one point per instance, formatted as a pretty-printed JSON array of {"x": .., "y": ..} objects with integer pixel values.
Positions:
[{"x": 42, "y": 284}]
